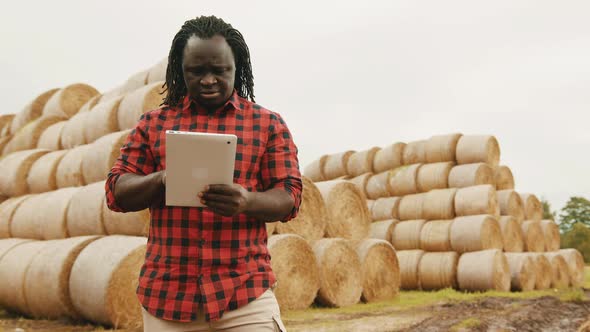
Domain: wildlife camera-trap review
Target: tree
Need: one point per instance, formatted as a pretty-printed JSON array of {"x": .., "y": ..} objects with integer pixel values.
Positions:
[
  {"x": 577, "y": 210},
  {"x": 579, "y": 238},
  {"x": 547, "y": 213}
]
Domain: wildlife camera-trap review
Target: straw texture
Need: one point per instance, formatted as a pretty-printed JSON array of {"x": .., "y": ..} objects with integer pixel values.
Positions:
[
  {"x": 523, "y": 271},
  {"x": 551, "y": 235},
  {"x": 361, "y": 162},
  {"x": 389, "y": 157},
  {"x": 411, "y": 207},
  {"x": 483, "y": 270},
  {"x": 379, "y": 269},
  {"x": 102, "y": 120},
  {"x": 385, "y": 208},
  {"x": 101, "y": 156},
  {"x": 434, "y": 176},
  {"x": 129, "y": 223},
  {"x": 511, "y": 204},
  {"x": 69, "y": 171},
  {"x": 7, "y": 209},
  {"x": 406, "y": 234},
  {"x": 439, "y": 204},
  {"x": 511, "y": 234},
  {"x": 409, "y": 263},
  {"x": 361, "y": 182},
  {"x": 559, "y": 270},
  {"x": 475, "y": 233},
  {"x": 468, "y": 175},
  {"x": 503, "y": 178},
  {"x": 14, "y": 169},
  {"x": 404, "y": 180},
  {"x": 476, "y": 200},
  {"x": 440, "y": 148},
  {"x": 478, "y": 149},
  {"x": 377, "y": 185},
  {"x": 335, "y": 165},
  {"x": 84, "y": 214},
  {"x": 436, "y": 236},
  {"x": 31, "y": 112},
  {"x": 315, "y": 170},
  {"x": 575, "y": 263},
  {"x": 41, "y": 176},
  {"x": 534, "y": 240},
  {"x": 67, "y": 101},
  {"x": 383, "y": 230},
  {"x": 533, "y": 209},
  {"x": 438, "y": 270},
  {"x": 50, "y": 139},
  {"x": 28, "y": 136},
  {"x": 415, "y": 153},
  {"x": 543, "y": 276},
  {"x": 144, "y": 99},
  {"x": 73, "y": 132}
]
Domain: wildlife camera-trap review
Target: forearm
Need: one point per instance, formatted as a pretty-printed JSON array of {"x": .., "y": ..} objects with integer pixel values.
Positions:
[
  {"x": 137, "y": 192},
  {"x": 271, "y": 205}
]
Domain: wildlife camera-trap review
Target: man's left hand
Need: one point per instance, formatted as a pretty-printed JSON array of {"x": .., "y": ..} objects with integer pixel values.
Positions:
[{"x": 227, "y": 200}]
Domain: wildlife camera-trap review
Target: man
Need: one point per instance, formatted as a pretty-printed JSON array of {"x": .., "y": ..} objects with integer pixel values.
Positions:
[{"x": 208, "y": 269}]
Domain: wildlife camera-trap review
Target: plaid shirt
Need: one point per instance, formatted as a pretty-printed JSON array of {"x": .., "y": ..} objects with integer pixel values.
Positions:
[{"x": 194, "y": 255}]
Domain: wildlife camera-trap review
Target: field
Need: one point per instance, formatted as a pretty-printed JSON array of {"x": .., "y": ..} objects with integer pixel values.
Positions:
[{"x": 445, "y": 310}]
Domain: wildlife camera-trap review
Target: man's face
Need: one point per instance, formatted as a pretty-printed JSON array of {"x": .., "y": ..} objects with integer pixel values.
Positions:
[{"x": 209, "y": 70}]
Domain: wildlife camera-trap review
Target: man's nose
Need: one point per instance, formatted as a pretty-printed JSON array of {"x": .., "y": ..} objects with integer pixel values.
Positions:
[{"x": 208, "y": 79}]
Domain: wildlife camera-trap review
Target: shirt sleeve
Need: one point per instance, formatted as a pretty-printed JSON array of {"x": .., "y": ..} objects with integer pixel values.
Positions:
[
  {"x": 136, "y": 157},
  {"x": 279, "y": 165}
]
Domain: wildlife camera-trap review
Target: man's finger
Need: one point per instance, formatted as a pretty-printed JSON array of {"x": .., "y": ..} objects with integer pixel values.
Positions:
[
  {"x": 220, "y": 208},
  {"x": 208, "y": 196},
  {"x": 222, "y": 189}
]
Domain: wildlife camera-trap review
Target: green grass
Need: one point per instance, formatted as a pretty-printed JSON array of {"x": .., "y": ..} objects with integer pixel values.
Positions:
[
  {"x": 587, "y": 276},
  {"x": 466, "y": 324}
]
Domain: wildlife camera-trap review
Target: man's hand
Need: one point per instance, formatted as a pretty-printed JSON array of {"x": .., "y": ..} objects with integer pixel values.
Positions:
[{"x": 227, "y": 200}]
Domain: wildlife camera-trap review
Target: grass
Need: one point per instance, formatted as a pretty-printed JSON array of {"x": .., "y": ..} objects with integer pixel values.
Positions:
[
  {"x": 587, "y": 276},
  {"x": 466, "y": 324}
]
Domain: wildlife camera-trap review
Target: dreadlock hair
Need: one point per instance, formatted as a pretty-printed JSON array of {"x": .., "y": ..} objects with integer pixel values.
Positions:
[{"x": 206, "y": 27}]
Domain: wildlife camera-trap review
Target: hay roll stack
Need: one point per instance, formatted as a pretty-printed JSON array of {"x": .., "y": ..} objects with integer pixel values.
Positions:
[
  {"x": 130, "y": 223},
  {"x": 469, "y": 175},
  {"x": 101, "y": 156},
  {"x": 295, "y": 266},
  {"x": 383, "y": 230},
  {"x": 503, "y": 178},
  {"x": 409, "y": 263},
  {"x": 67, "y": 101},
  {"x": 361, "y": 182},
  {"x": 483, "y": 270},
  {"x": 476, "y": 200},
  {"x": 406, "y": 234},
  {"x": 404, "y": 180},
  {"x": 50, "y": 139},
  {"x": 28, "y": 136},
  {"x": 510, "y": 204},
  {"x": 511, "y": 234},
  {"x": 312, "y": 218},
  {"x": 438, "y": 270},
  {"x": 84, "y": 214},
  {"x": 5, "y": 123},
  {"x": 385, "y": 208},
  {"x": 104, "y": 279},
  {"x": 73, "y": 132},
  {"x": 14, "y": 169},
  {"x": 523, "y": 271},
  {"x": 7, "y": 209},
  {"x": 380, "y": 270},
  {"x": 442, "y": 148},
  {"x": 361, "y": 162},
  {"x": 315, "y": 170},
  {"x": 389, "y": 157},
  {"x": 88, "y": 105},
  {"x": 340, "y": 273},
  {"x": 157, "y": 72},
  {"x": 551, "y": 234},
  {"x": 377, "y": 185},
  {"x": 336, "y": 164},
  {"x": 534, "y": 240},
  {"x": 475, "y": 233},
  {"x": 102, "y": 120},
  {"x": 439, "y": 204},
  {"x": 347, "y": 210},
  {"x": 544, "y": 271},
  {"x": 31, "y": 112},
  {"x": 435, "y": 236},
  {"x": 415, "y": 153},
  {"x": 134, "y": 104},
  {"x": 7, "y": 244},
  {"x": 478, "y": 149},
  {"x": 42, "y": 177},
  {"x": 533, "y": 209},
  {"x": 560, "y": 277},
  {"x": 69, "y": 171},
  {"x": 46, "y": 283},
  {"x": 434, "y": 176},
  {"x": 575, "y": 263},
  {"x": 411, "y": 207}
]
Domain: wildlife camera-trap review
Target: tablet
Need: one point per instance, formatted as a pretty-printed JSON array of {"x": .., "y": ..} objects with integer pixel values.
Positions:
[{"x": 195, "y": 160}]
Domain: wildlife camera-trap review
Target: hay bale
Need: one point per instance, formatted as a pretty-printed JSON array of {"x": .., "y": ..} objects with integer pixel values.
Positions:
[
  {"x": 138, "y": 80},
  {"x": 383, "y": 230},
  {"x": 348, "y": 215},
  {"x": 433, "y": 176},
  {"x": 5, "y": 123},
  {"x": 438, "y": 270},
  {"x": 411, "y": 207},
  {"x": 129, "y": 223},
  {"x": 340, "y": 273},
  {"x": 361, "y": 182},
  {"x": 312, "y": 218},
  {"x": 533, "y": 209},
  {"x": 468, "y": 175},
  {"x": 406, "y": 234},
  {"x": 436, "y": 236},
  {"x": 523, "y": 271},
  {"x": 385, "y": 208},
  {"x": 73, "y": 132},
  {"x": 414, "y": 153},
  {"x": 575, "y": 263},
  {"x": 104, "y": 279},
  {"x": 409, "y": 263},
  {"x": 475, "y": 233},
  {"x": 559, "y": 270},
  {"x": 440, "y": 148},
  {"x": 377, "y": 185},
  {"x": 69, "y": 171},
  {"x": 51, "y": 138},
  {"x": 315, "y": 170},
  {"x": 102, "y": 120},
  {"x": 296, "y": 269},
  {"x": 157, "y": 72},
  {"x": 503, "y": 178},
  {"x": 510, "y": 204},
  {"x": 511, "y": 234},
  {"x": 483, "y": 270},
  {"x": 41, "y": 177},
  {"x": 28, "y": 136},
  {"x": 543, "y": 275},
  {"x": 134, "y": 104},
  {"x": 13, "y": 268},
  {"x": 404, "y": 180},
  {"x": 389, "y": 157},
  {"x": 361, "y": 162},
  {"x": 27, "y": 218},
  {"x": 271, "y": 227},
  {"x": 31, "y": 112},
  {"x": 14, "y": 169},
  {"x": 84, "y": 214},
  {"x": 4, "y": 140},
  {"x": 46, "y": 281},
  {"x": 335, "y": 165},
  {"x": 476, "y": 200},
  {"x": 551, "y": 235},
  {"x": 478, "y": 149},
  {"x": 88, "y": 105},
  {"x": 534, "y": 240},
  {"x": 7, "y": 244},
  {"x": 101, "y": 156},
  {"x": 67, "y": 101},
  {"x": 379, "y": 270},
  {"x": 439, "y": 204},
  {"x": 7, "y": 209}
]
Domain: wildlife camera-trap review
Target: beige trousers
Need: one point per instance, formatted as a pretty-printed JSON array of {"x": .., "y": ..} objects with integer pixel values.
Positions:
[{"x": 260, "y": 315}]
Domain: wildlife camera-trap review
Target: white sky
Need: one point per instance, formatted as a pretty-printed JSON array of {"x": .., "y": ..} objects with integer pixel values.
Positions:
[{"x": 351, "y": 75}]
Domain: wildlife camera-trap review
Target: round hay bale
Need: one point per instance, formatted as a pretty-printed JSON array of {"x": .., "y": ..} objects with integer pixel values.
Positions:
[
  {"x": 138, "y": 80},
  {"x": 296, "y": 269},
  {"x": 406, "y": 234},
  {"x": 379, "y": 269},
  {"x": 41, "y": 177},
  {"x": 475, "y": 233},
  {"x": 157, "y": 72},
  {"x": 436, "y": 236},
  {"x": 335, "y": 165},
  {"x": 13, "y": 267},
  {"x": 69, "y": 171},
  {"x": 385, "y": 208},
  {"x": 409, "y": 262},
  {"x": 312, "y": 218},
  {"x": 468, "y": 175},
  {"x": 348, "y": 215},
  {"x": 411, "y": 207},
  {"x": 503, "y": 178},
  {"x": 5, "y": 123},
  {"x": 433, "y": 176},
  {"x": 84, "y": 214},
  {"x": 101, "y": 156},
  {"x": 88, "y": 105},
  {"x": 7, "y": 244},
  {"x": 50, "y": 139},
  {"x": 28, "y": 217},
  {"x": 14, "y": 169},
  {"x": 315, "y": 170},
  {"x": 414, "y": 153},
  {"x": 559, "y": 270},
  {"x": 534, "y": 240},
  {"x": 383, "y": 230},
  {"x": 134, "y": 104},
  {"x": 389, "y": 157},
  {"x": 551, "y": 234},
  {"x": 441, "y": 148},
  {"x": 476, "y": 200},
  {"x": 340, "y": 273},
  {"x": 271, "y": 227},
  {"x": 31, "y": 112},
  {"x": 28, "y": 136},
  {"x": 533, "y": 209},
  {"x": 73, "y": 132},
  {"x": 102, "y": 120},
  {"x": 575, "y": 263},
  {"x": 361, "y": 182},
  {"x": 361, "y": 162},
  {"x": 7, "y": 209},
  {"x": 523, "y": 271},
  {"x": 511, "y": 234},
  {"x": 439, "y": 204},
  {"x": 104, "y": 279},
  {"x": 478, "y": 149},
  {"x": 67, "y": 101},
  {"x": 4, "y": 140},
  {"x": 129, "y": 223},
  {"x": 377, "y": 185},
  {"x": 543, "y": 275},
  {"x": 46, "y": 282},
  {"x": 438, "y": 270},
  {"x": 404, "y": 180},
  {"x": 483, "y": 270},
  {"x": 510, "y": 204}
]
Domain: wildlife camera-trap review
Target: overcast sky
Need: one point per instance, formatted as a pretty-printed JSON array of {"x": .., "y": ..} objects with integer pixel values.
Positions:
[{"x": 352, "y": 75}]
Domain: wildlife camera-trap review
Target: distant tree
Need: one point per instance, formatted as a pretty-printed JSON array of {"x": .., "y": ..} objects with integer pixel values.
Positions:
[
  {"x": 577, "y": 210},
  {"x": 578, "y": 237},
  {"x": 547, "y": 213}
]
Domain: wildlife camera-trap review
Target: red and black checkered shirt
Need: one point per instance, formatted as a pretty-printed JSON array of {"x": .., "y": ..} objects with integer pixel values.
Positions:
[{"x": 194, "y": 255}]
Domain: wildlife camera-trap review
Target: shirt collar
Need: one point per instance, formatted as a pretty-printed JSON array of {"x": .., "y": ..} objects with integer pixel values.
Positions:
[{"x": 233, "y": 103}]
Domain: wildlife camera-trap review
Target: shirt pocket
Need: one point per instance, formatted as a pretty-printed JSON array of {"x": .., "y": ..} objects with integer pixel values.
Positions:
[{"x": 249, "y": 152}]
